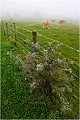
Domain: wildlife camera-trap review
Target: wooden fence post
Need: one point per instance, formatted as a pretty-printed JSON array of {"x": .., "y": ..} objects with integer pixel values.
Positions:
[
  {"x": 1, "y": 25},
  {"x": 3, "y": 28},
  {"x": 34, "y": 39},
  {"x": 7, "y": 30},
  {"x": 34, "y": 36},
  {"x": 15, "y": 32}
]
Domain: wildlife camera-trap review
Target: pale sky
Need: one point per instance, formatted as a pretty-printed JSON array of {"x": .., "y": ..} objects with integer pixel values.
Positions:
[{"x": 40, "y": 8}]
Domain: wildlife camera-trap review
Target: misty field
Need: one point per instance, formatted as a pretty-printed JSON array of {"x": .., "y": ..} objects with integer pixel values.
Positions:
[{"x": 20, "y": 98}]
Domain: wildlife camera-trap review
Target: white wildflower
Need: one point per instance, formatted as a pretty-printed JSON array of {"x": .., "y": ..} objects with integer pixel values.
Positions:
[
  {"x": 59, "y": 60},
  {"x": 32, "y": 86},
  {"x": 53, "y": 50},
  {"x": 67, "y": 106},
  {"x": 70, "y": 70},
  {"x": 35, "y": 45},
  {"x": 39, "y": 67}
]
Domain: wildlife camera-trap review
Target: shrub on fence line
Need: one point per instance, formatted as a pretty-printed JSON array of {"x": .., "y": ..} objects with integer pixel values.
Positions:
[{"x": 48, "y": 74}]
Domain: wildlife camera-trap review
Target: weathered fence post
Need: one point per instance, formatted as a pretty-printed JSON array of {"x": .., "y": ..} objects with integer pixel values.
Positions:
[
  {"x": 7, "y": 30},
  {"x": 34, "y": 36},
  {"x": 15, "y": 32},
  {"x": 3, "y": 28},
  {"x": 1, "y": 25},
  {"x": 11, "y": 21},
  {"x": 34, "y": 39}
]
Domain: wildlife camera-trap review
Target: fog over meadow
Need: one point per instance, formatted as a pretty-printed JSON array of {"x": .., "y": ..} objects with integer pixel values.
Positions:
[{"x": 40, "y": 9}]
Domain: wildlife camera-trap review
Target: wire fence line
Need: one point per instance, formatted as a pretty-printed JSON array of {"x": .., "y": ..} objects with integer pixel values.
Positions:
[
  {"x": 22, "y": 34},
  {"x": 52, "y": 39},
  {"x": 11, "y": 32},
  {"x": 28, "y": 41},
  {"x": 11, "y": 29},
  {"x": 43, "y": 46},
  {"x": 24, "y": 47},
  {"x": 11, "y": 36},
  {"x": 42, "y": 36},
  {"x": 60, "y": 43},
  {"x": 24, "y": 29},
  {"x": 47, "y": 38}
]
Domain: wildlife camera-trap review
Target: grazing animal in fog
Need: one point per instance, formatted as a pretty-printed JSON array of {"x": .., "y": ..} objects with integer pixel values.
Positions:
[
  {"x": 61, "y": 21},
  {"x": 46, "y": 24},
  {"x": 53, "y": 20}
]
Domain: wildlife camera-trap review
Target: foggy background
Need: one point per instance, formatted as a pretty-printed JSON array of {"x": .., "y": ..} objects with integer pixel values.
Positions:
[{"x": 40, "y": 9}]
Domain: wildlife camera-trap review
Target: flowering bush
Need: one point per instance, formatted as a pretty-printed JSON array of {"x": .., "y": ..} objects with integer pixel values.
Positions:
[{"x": 48, "y": 73}]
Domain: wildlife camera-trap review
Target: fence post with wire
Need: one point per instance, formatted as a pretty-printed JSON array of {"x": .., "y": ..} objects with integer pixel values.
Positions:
[
  {"x": 3, "y": 28},
  {"x": 1, "y": 25},
  {"x": 7, "y": 30},
  {"x": 34, "y": 39},
  {"x": 15, "y": 32}
]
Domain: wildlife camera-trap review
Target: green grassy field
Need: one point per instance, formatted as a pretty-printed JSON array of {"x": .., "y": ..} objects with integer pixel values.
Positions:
[{"x": 16, "y": 100}]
